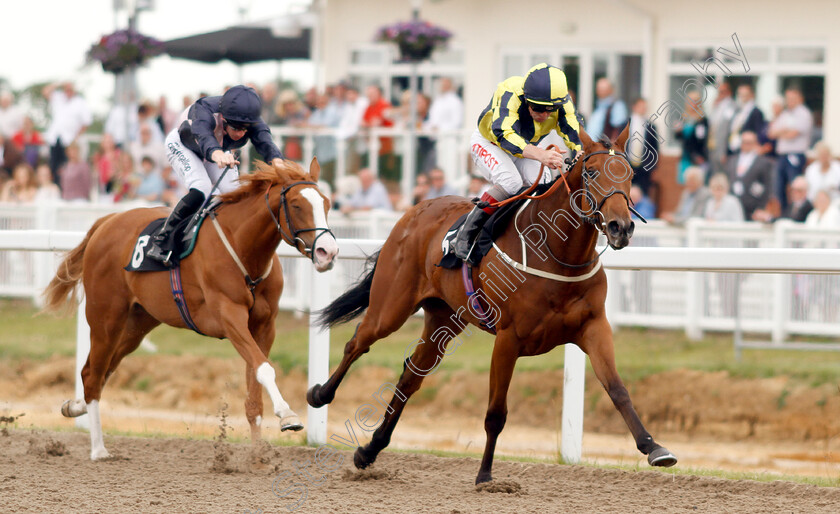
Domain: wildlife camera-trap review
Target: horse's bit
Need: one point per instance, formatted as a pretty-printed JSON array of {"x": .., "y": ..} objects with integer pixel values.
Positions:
[
  {"x": 593, "y": 219},
  {"x": 292, "y": 237}
]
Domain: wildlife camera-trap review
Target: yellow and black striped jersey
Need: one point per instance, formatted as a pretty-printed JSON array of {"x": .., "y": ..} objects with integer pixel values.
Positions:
[{"x": 507, "y": 122}]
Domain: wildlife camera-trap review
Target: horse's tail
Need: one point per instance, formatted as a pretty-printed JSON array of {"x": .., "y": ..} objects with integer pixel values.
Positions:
[
  {"x": 60, "y": 295},
  {"x": 353, "y": 302}
]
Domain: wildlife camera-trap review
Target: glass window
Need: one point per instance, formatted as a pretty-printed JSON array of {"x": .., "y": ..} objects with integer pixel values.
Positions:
[
  {"x": 801, "y": 55},
  {"x": 813, "y": 90},
  {"x": 540, "y": 58},
  {"x": 629, "y": 78},
  {"x": 670, "y": 112},
  {"x": 754, "y": 54},
  {"x": 571, "y": 67},
  {"x": 687, "y": 55},
  {"x": 513, "y": 65},
  {"x": 368, "y": 56},
  {"x": 448, "y": 56},
  {"x": 600, "y": 63}
]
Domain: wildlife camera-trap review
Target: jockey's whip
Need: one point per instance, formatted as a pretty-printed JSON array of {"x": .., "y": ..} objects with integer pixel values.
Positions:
[{"x": 214, "y": 188}]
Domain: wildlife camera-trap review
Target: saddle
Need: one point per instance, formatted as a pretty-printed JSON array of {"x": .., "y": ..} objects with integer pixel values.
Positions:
[
  {"x": 181, "y": 242},
  {"x": 492, "y": 229}
]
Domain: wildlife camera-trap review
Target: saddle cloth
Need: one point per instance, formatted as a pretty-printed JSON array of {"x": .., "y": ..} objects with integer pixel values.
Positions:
[
  {"x": 181, "y": 242},
  {"x": 491, "y": 229}
]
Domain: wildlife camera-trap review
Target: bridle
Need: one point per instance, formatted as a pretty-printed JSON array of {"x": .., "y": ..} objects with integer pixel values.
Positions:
[
  {"x": 292, "y": 236},
  {"x": 597, "y": 217}
]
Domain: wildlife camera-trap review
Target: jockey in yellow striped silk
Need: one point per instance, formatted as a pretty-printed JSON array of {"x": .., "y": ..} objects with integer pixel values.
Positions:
[{"x": 504, "y": 147}]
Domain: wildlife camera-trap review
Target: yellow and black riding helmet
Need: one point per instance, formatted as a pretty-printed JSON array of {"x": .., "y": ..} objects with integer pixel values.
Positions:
[{"x": 545, "y": 85}]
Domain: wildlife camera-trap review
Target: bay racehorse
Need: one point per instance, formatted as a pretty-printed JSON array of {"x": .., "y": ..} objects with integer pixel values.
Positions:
[
  {"x": 272, "y": 205},
  {"x": 555, "y": 296}
]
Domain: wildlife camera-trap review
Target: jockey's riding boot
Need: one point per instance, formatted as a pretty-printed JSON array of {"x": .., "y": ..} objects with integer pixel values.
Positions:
[
  {"x": 185, "y": 208},
  {"x": 463, "y": 241}
]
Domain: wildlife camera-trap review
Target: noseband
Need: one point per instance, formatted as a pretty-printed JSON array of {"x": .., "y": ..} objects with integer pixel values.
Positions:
[
  {"x": 596, "y": 217},
  {"x": 292, "y": 236}
]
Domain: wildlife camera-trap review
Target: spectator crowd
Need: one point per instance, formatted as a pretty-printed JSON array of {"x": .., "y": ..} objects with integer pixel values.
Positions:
[
  {"x": 127, "y": 161},
  {"x": 736, "y": 163},
  {"x": 739, "y": 165}
]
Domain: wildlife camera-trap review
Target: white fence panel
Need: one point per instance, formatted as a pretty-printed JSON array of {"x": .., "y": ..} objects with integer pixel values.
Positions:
[{"x": 759, "y": 260}]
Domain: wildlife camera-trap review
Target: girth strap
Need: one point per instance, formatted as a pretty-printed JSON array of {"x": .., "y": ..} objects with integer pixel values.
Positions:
[
  {"x": 475, "y": 301},
  {"x": 251, "y": 282},
  {"x": 180, "y": 299}
]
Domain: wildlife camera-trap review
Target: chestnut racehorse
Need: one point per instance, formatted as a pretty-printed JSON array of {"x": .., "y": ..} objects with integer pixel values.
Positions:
[
  {"x": 557, "y": 298},
  {"x": 274, "y": 204}
]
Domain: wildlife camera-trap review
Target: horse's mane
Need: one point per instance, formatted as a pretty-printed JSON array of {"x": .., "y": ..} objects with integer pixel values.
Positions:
[
  {"x": 265, "y": 176},
  {"x": 604, "y": 140}
]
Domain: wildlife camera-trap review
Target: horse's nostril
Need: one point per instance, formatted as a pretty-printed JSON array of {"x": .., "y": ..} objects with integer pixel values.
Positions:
[
  {"x": 631, "y": 229},
  {"x": 613, "y": 227},
  {"x": 321, "y": 253}
]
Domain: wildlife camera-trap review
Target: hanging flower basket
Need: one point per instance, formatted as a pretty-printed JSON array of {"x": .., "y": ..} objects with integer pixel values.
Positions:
[
  {"x": 416, "y": 39},
  {"x": 124, "y": 49}
]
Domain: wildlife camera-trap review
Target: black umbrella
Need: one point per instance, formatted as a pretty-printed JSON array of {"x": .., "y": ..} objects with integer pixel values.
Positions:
[{"x": 242, "y": 44}]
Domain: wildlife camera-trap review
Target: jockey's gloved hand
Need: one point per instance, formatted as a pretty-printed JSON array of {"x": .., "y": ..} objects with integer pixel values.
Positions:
[
  {"x": 478, "y": 202},
  {"x": 571, "y": 159},
  {"x": 224, "y": 159}
]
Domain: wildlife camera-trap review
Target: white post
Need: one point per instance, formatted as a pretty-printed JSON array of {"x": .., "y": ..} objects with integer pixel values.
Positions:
[
  {"x": 319, "y": 356},
  {"x": 373, "y": 151},
  {"x": 694, "y": 288},
  {"x": 781, "y": 288},
  {"x": 409, "y": 165},
  {"x": 340, "y": 160},
  {"x": 574, "y": 373},
  {"x": 612, "y": 306},
  {"x": 82, "y": 351}
]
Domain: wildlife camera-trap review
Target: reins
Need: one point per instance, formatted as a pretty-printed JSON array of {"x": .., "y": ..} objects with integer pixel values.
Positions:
[
  {"x": 592, "y": 219},
  {"x": 549, "y": 192}
]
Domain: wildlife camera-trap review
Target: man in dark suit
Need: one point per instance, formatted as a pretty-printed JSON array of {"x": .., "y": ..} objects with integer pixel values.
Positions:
[
  {"x": 751, "y": 175},
  {"x": 747, "y": 118},
  {"x": 643, "y": 146},
  {"x": 798, "y": 207}
]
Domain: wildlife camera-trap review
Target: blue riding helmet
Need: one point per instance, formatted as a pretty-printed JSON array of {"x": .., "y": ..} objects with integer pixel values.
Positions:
[
  {"x": 241, "y": 105},
  {"x": 546, "y": 85}
]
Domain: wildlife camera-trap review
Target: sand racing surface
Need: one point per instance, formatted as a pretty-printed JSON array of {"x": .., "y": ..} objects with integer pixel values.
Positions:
[
  {"x": 45, "y": 467},
  {"x": 50, "y": 472}
]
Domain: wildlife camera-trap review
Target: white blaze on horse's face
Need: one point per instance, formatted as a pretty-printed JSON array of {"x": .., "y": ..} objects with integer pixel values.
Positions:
[{"x": 326, "y": 247}]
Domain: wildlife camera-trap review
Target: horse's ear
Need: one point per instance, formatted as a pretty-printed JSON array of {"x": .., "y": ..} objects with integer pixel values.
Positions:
[
  {"x": 314, "y": 169},
  {"x": 584, "y": 138},
  {"x": 622, "y": 138}
]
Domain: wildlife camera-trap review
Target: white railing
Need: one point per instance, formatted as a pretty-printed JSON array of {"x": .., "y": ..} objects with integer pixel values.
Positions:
[
  {"x": 639, "y": 259},
  {"x": 775, "y": 306}
]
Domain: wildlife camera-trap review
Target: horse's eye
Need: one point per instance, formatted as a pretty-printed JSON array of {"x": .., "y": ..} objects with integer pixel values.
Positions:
[{"x": 296, "y": 207}]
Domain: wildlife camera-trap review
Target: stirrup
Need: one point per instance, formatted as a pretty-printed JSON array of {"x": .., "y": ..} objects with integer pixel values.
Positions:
[{"x": 157, "y": 254}]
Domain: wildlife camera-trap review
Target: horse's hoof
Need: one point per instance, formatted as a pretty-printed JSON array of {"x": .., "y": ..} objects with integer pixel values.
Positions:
[
  {"x": 360, "y": 460},
  {"x": 291, "y": 423},
  {"x": 661, "y": 457},
  {"x": 99, "y": 454},
  {"x": 313, "y": 396},
  {"x": 73, "y": 408},
  {"x": 483, "y": 477}
]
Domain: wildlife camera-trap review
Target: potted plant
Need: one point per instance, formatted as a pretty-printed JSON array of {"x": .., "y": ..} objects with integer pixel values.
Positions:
[
  {"x": 416, "y": 39},
  {"x": 124, "y": 49}
]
